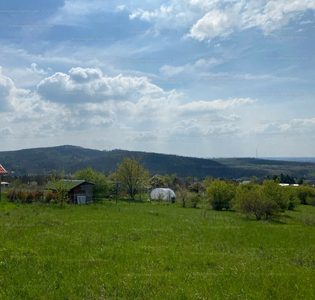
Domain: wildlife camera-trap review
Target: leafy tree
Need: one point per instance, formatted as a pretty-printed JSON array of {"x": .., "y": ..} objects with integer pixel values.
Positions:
[
  {"x": 197, "y": 188},
  {"x": 219, "y": 194},
  {"x": 207, "y": 182},
  {"x": 167, "y": 180},
  {"x": 253, "y": 201},
  {"x": 157, "y": 182},
  {"x": 292, "y": 195},
  {"x": 132, "y": 175},
  {"x": 194, "y": 200},
  {"x": 183, "y": 195},
  {"x": 61, "y": 187},
  {"x": 305, "y": 192},
  {"x": 276, "y": 193},
  {"x": 100, "y": 187}
]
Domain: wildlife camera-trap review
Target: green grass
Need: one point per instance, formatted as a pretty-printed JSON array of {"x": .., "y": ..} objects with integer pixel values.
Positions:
[{"x": 152, "y": 251}]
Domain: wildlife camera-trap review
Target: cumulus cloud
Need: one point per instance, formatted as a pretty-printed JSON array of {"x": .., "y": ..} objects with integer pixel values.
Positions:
[
  {"x": 90, "y": 85},
  {"x": 295, "y": 127},
  {"x": 216, "y": 23},
  {"x": 210, "y": 18}
]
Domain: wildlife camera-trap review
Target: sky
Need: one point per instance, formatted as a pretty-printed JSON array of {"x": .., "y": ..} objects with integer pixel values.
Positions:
[{"x": 201, "y": 78}]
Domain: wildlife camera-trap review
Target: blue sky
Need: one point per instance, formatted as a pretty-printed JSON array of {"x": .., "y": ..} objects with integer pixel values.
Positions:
[{"x": 203, "y": 78}]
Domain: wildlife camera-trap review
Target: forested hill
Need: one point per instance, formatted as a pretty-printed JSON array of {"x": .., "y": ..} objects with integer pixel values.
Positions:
[{"x": 73, "y": 158}]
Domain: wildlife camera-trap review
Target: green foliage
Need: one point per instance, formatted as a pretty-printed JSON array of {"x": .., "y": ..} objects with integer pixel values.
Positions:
[
  {"x": 254, "y": 201},
  {"x": 276, "y": 193},
  {"x": 195, "y": 200},
  {"x": 182, "y": 195},
  {"x": 157, "y": 181},
  {"x": 197, "y": 188},
  {"x": 219, "y": 194},
  {"x": 132, "y": 175},
  {"x": 61, "y": 189},
  {"x": 292, "y": 194},
  {"x": 100, "y": 187},
  {"x": 310, "y": 200},
  {"x": 207, "y": 182},
  {"x": 304, "y": 192}
]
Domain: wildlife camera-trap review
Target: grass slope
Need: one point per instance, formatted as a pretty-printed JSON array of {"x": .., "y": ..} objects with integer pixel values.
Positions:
[{"x": 150, "y": 251}]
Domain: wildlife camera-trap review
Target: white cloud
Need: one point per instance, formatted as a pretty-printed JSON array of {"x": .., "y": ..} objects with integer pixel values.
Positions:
[
  {"x": 206, "y": 106},
  {"x": 212, "y": 18},
  {"x": 216, "y": 23}
]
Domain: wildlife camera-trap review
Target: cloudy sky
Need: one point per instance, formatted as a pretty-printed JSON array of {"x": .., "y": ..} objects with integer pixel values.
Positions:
[{"x": 203, "y": 78}]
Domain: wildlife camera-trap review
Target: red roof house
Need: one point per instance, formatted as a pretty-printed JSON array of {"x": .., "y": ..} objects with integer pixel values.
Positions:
[{"x": 2, "y": 171}]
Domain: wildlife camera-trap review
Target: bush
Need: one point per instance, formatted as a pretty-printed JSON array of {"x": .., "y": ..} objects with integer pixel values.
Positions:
[
  {"x": 21, "y": 195},
  {"x": 305, "y": 192},
  {"x": 50, "y": 197},
  {"x": 292, "y": 195},
  {"x": 39, "y": 195},
  {"x": 310, "y": 200},
  {"x": 276, "y": 193},
  {"x": 30, "y": 196},
  {"x": 253, "y": 201},
  {"x": 219, "y": 194},
  {"x": 194, "y": 200}
]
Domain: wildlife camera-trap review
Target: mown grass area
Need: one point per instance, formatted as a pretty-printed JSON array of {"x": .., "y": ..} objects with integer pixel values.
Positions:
[{"x": 152, "y": 251}]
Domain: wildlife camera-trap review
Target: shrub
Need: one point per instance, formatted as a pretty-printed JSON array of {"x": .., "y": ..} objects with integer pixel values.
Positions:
[
  {"x": 194, "y": 200},
  {"x": 304, "y": 192},
  {"x": 219, "y": 194},
  {"x": 21, "y": 195},
  {"x": 292, "y": 195},
  {"x": 50, "y": 197},
  {"x": 255, "y": 202},
  {"x": 276, "y": 193},
  {"x": 30, "y": 196},
  {"x": 39, "y": 195},
  {"x": 310, "y": 200}
]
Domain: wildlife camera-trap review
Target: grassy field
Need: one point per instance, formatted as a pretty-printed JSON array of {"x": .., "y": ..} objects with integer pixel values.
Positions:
[{"x": 152, "y": 251}]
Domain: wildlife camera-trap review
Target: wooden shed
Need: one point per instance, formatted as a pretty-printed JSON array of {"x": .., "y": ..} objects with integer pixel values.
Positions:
[{"x": 79, "y": 191}]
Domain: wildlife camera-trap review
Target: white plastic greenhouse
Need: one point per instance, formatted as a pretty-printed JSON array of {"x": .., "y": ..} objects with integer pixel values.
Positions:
[{"x": 163, "y": 194}]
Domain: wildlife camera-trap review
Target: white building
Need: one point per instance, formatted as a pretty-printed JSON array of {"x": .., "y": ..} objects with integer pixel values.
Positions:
[{"x": 163, "y": 194}]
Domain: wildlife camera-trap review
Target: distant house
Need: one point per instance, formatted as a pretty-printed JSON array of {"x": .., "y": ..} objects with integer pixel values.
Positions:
[
  {"x": 79, "y": 191},
  {"x": 4, "y": 185},
  {"x": 2, "y": 172},
  {"x": 163, "y": 194}
]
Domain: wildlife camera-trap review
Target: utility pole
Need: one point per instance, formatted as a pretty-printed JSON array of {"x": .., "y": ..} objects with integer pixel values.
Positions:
[{"x": 117, "y": 188}]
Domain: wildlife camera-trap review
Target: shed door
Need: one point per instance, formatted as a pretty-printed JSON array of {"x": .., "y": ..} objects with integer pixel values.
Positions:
[{"x": 81, "y": 199}]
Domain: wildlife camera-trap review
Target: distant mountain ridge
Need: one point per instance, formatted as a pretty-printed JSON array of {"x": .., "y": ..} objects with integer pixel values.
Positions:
[{"x": 73, "y": 158}]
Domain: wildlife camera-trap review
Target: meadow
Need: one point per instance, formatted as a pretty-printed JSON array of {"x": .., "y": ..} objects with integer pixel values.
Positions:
[{"x": 153, "y": 251}]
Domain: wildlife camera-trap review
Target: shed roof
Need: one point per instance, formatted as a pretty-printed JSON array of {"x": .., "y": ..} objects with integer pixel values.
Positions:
[
  {"x": 2, "y": 170},
  {"x": 73, "y": 184}
]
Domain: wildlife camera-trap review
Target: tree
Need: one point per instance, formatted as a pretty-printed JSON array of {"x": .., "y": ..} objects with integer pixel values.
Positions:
[
  {"x": 219, "y": 194},
  {"x": 167, "y": 180},
  {"x": 207, "y": 182},
  {"x": 132, "y": 175},
  {"x": 253, "y": 201},
  {"x": 157, "y": 182},
  {"x": 61, "y": 187},
  {"x": 276, "y": 193},
  {"x": 197, "y": 188},
  {"x": 100, "y": 187},
  {"x": 183, "y": 195},
  {"x": 292, "y": 195},
  {"x": 305, "y": 192}
]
